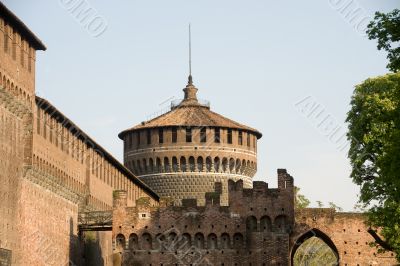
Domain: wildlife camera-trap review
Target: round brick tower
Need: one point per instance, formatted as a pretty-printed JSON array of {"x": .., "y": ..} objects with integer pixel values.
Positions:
[{"x": 182, "y": 153}]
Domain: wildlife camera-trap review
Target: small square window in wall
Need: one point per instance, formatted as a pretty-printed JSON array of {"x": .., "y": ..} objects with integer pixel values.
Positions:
[{"x": 144, "y": 215}]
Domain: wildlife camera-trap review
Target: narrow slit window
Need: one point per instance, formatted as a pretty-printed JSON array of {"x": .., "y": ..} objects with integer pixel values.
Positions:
[
  {"x": 217, "y": 135},
  {"x": 240, "y": 138},
  {"x": 174, "y": 135},
  {"x": 161, "y": 136},
  {"x": 229, "y": 136},
  {"x": 203, "y": 135},
  {"x": 148, "y": 133},
  {"x": 188, "y": 135}
]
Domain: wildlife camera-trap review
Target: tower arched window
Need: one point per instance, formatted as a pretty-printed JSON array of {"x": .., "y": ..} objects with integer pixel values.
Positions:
[
  {"x": 175, "y": 164},
  {"x": 183, "y": 164},
  {"x": 192, "y": 165},
  {"x": 208, "y": 164},
  {"x": 217, "y": 164},
  {"x": 200, "y": 164}
]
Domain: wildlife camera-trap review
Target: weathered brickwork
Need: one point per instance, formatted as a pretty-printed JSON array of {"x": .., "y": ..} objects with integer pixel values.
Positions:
[
  {"x": 50, "y": 170},
  {"x": 346, "y": 234},
  {"x": 253, "y": 229}
]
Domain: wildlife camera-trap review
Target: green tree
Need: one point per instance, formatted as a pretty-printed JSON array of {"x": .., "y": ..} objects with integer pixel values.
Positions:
[
  {"x": 320, "y": 204},
  {"x": 385, "y": 28},
  {"x": 334, "y": 206},
  {"x": 374, "y": 135},
  {"x": 301, "y": 201}
]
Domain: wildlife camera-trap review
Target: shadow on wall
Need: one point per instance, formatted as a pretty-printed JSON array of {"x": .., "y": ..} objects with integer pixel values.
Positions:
[
  {"x": 92, "y": 250},
  {"x": 73, "y": 245}
]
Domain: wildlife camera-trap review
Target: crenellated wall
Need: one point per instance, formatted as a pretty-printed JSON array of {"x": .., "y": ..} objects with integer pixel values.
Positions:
[{"x": 254, "y": 228}]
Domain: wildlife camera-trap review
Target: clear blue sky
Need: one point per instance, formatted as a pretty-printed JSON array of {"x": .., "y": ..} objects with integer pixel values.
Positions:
[{"x": 252, "y": 59}]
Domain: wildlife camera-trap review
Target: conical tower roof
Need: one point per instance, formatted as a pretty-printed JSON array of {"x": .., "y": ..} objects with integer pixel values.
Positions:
[{"x": 190, "y": 113}]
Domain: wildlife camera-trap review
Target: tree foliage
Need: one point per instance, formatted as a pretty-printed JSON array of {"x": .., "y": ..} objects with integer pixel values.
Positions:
[
  {"x": 301, "y": 201},
  {"x": 314, "y": 252},
  {"x": 385, "y": 28},
  {"x": 374, "y": 135}
]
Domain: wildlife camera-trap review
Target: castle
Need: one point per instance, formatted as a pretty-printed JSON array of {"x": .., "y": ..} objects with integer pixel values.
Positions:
[{"x": 184, "y": 195}]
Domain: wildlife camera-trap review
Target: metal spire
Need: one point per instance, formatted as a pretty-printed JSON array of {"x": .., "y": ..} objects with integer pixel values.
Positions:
[{"x": 190, "y": 81}]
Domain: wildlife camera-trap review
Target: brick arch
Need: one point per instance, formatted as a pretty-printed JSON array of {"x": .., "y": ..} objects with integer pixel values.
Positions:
[
  {"x": 120, "y": 241},
  {"x": 200, "y": 164},
  {"x": 158, "y": 165},
  {"x": 238, "y": 166},
  {"x": 225, "y": 165},
  {"x": 217, "y": 164},
  {"x": 151, "y": 165},
  {"x": 183, "y": 165},
  {"x": 191, "y": 164},
  {"x": 231, "y": 165},
  {"x": 212, "y": 241},
  {"x": 314, "y": 233}
]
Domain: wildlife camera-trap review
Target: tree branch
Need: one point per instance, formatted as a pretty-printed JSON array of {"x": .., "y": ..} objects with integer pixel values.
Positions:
[{"x": 379, "y": 240}]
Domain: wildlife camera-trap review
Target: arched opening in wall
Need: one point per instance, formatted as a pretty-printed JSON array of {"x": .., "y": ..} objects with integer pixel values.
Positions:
[
  {"x": 199, "y": 241},
  {"x": 139, "y": 167},
  {"x": 166, "y": 165},
  {"x": 314, "y": 248},
  {"x": 281, "y": 224},
  {"x": 243, "y": 170},
  {"x": 225, "y": 241},
  {"x": 183, "y": 164},
  {"x": 133, "y": 242},
  {"x": 265, "y": 224},
  {"x": 185, "y": 242},
  {"x": 159, "y": 242},
  {"x": 224, "y": 165},
  {"x": 238, "y": 165},
  {"x": 212, "y": 241},
  {"x": 200, "y": 163},
  {"x": 145, "y": 169},
  {"x": 146, "y": 242},
  {"x": 231, "y": 165},
  {"x": 175, "y": 164},
  {"x": 191, "y": 164},
  {"x": 120, "y": 241},
  {"x": 158, "y": 165},
  {"x": 216, "y": 164},
  {"x": 238, "y": 241},
  {"x": 251, "y": 224},
  {"x": 208, "y": 164},
  {"x": 151, "y": 165},
  {"x": 134, "y": 169},
  {"x": 172, "y": 241}
]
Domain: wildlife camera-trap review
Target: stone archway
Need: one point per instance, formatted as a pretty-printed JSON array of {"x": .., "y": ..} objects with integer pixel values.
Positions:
[{"x": 310, "y": 234}]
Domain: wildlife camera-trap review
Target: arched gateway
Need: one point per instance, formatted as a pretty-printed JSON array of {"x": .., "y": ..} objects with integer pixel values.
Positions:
[{"x": 321, "y": 251}]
